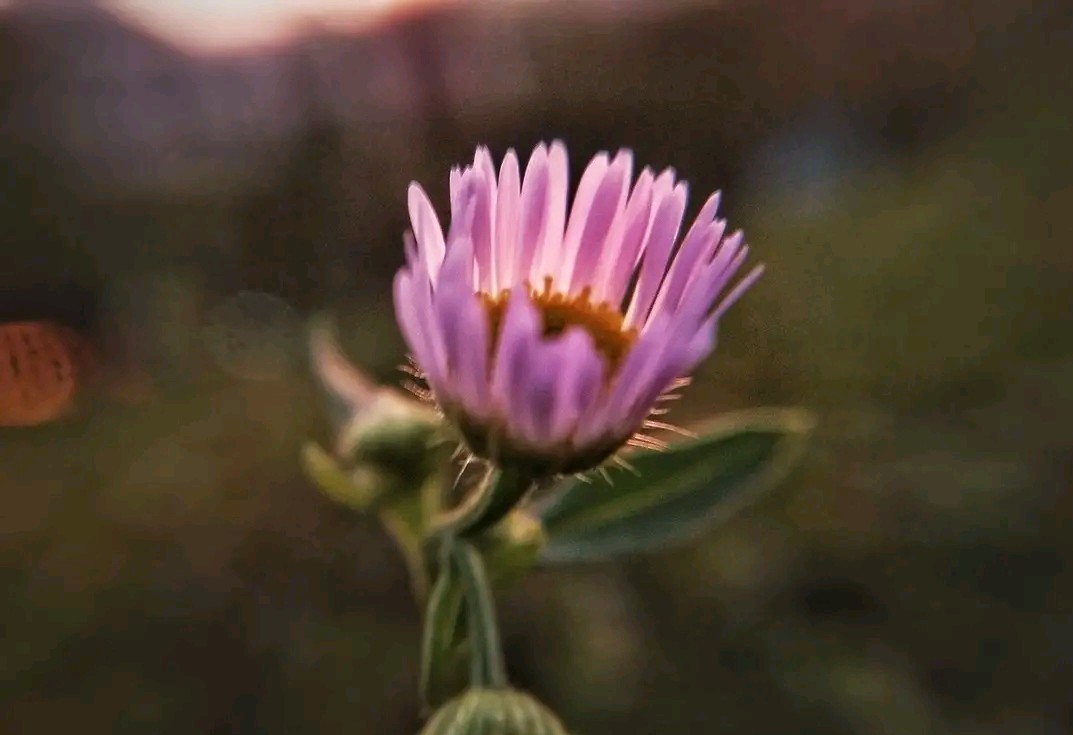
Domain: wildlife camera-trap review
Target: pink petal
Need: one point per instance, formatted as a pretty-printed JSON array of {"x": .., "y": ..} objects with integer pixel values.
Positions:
[
  {"x": 458, "y": 263},
  {"x": 608, "y": 205},
  {"x": 518, "y": 332},
  {"x": 508, "y": 210},
  {"x": 665, "y": 228},
  {"x": 533, "y": 216},
  {"x": 647, "y": 352},
  {"x": 463, "y": 323},
  {"x": 738, "y": 290},
  {"x": 652, "y": 381},
  {"x": 533, "y": 417},
  {"x": 687, "y": 262},
  {"x": 426, "y": 229},
  {"x": 662, "y": 188},
  {"x": 545, "y": 260},
  {"x": 413, "y": 306},
  {"x": 704, "y": 288},
  {"x": 580, "y": 381},
  {"x": 702, "y": 343},
  {"x": 688, "y": 352},
  {"x": 409, "y": 247},
  {"x": 480, "y": 188},
  {"x": 456, "y": 187},
  {"x": 558, "y": 264},
  {"x": 700, "y": 241},
  {"x": 624, "y": 242}
]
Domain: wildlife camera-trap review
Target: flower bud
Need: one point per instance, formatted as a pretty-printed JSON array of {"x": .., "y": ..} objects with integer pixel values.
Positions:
[
  {"x": 391, "y": 432},
  {"x": 494, "y": 712},
  {"x": 386, "y": 437}
]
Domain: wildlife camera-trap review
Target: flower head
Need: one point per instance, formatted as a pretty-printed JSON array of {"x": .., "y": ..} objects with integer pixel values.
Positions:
[{"x": 546, "y": 338}]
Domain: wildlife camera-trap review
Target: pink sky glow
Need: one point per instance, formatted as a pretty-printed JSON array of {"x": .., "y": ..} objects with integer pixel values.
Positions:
[{"x": 222, "y": 25}]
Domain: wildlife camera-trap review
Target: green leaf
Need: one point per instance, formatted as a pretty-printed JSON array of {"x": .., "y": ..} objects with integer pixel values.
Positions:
[{"x": 677, "y": 493}]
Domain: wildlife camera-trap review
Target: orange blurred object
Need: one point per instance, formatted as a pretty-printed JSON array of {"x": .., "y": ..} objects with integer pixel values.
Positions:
[{"x": 49, "y": 371}]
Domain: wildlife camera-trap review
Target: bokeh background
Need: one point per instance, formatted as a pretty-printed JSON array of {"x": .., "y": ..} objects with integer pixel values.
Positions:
[{"x": 189, "y": 183}]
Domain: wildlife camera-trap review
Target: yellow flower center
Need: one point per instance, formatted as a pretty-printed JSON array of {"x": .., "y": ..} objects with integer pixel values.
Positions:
[{"x": 558, "y": 311}]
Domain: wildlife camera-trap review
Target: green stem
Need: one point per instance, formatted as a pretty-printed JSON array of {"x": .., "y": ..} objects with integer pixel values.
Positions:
[
  {"x": 438, "y": 640},
  {"x": 499, "y": 492},
  {"x": 487, "y": 667}
]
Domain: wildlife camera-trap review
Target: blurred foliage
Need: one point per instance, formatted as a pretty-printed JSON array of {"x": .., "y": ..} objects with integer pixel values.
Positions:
[{"x": 168, "y": 569}]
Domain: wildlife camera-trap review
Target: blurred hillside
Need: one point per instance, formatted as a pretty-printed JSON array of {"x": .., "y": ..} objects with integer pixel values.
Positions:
[
  {"x": 901, "y": 168},
  {"x": 292, "y": 158}
]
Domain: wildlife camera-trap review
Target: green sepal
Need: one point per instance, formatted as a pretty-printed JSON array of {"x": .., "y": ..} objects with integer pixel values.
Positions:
[
  {"x": 487, "y": 504},
  {"x": 361, "y": 489},
  {"x": 673, "y": 495}
]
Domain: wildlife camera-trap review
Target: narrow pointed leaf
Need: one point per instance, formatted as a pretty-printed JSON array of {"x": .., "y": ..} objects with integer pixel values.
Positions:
[{"x": 679, "y": 492}]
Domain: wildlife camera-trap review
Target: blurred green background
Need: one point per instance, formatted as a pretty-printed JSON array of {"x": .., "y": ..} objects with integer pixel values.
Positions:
[{"x": 903, "y": 169}]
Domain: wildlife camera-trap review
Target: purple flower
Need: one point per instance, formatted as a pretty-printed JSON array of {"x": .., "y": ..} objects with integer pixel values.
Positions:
[{"x": 548, "y": 339}]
